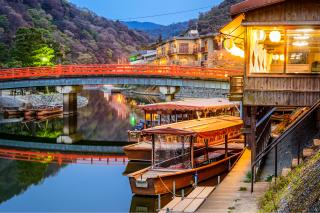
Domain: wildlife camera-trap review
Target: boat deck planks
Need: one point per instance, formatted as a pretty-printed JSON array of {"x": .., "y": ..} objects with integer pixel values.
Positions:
[{"x": 191, "y": 203}]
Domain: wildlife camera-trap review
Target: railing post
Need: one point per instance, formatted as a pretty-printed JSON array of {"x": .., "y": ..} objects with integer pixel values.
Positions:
[{"x": 276, "y": 161}]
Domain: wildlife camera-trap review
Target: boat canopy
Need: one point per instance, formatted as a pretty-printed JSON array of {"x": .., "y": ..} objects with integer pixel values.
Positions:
[
  {"x": 203, "y": 127},
  {"x": 210, "y": 104}
]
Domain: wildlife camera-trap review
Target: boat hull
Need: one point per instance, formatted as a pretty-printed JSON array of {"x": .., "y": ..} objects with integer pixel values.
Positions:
[
  {"x": 164, "y": 184},
  {"x": 143, "y": 155}
]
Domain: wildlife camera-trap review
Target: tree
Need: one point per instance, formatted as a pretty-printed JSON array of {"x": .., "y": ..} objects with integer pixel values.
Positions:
[
  {"x": 43, "y": 56},
  {"x": 30, "y": 45},
  {"x": 3, "y": 54}
]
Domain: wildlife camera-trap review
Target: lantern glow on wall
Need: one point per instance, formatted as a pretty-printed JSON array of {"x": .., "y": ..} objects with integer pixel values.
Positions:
[{"x": 275, "y": 36}]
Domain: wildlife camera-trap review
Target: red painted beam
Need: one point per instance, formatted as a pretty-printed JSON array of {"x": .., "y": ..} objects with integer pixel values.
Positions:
[{"x": 117, "y": 70}]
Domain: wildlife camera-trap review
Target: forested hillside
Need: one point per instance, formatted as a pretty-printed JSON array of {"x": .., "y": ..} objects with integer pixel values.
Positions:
[
  {"x": 44, "y": 32},
  {"x": 214, "y": 19},
  {"x": 208, "y": 22}
]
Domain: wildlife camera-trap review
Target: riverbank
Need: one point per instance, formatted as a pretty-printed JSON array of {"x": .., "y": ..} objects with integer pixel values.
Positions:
[
  {"x": 29, "y": 101},
  {"x": 299, "y": 191}
]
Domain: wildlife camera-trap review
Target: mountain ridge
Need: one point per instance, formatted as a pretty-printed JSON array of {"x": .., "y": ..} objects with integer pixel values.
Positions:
[{"x": 83, "y": 36}]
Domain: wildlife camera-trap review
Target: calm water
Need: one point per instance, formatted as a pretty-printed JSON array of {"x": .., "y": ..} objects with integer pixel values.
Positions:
[
  {"x": 106, "y": 118},
  {"x": 45, "y": 186},
  {"x": 32, "y": 186}
]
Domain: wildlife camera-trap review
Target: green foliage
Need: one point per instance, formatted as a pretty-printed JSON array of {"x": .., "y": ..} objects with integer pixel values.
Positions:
[
  {"x": 41, "y": 20},
  {"x": 295, "y": 192},
  {"x": 30, "y": 172},
  {"x": 243, "y": 189},
  {"x": 248, "y": 177},
  {"x": 43, "y": 56},
  {"x": 31, "y": 47},
  {"x": 4, "y": 23},
  {"x": 4, "y": 54}
]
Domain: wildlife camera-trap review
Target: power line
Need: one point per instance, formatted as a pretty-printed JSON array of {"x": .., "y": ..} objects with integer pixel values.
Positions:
[{"x": 164, "y": 14}]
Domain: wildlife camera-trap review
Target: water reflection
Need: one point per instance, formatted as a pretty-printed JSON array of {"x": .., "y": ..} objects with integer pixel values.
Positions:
[
  {"x": 106, "y": 117},
  {"x": 42, "y": 181}
]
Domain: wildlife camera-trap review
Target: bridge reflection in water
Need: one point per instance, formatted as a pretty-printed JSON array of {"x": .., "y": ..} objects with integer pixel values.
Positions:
[{"x": 62, "y": 158}]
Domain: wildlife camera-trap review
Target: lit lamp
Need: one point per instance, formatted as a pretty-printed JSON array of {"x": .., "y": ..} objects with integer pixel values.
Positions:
[
  {"x": 275, "y": 36},
  {"x": 232, "y": 48}
]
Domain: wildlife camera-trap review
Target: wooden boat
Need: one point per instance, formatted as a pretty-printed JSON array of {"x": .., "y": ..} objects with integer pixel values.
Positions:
[
  {"x": 141, "y": 151},
  {"x": 12, "y": 112},
  {"x": 29, "y": 113},
  {"x": 185, "y": 165}
]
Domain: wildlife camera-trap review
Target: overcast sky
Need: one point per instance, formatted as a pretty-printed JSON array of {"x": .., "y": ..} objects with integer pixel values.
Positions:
[{"x": 124, "y": 9}]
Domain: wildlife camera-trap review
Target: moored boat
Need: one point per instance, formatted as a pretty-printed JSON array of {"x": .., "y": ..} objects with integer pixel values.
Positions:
[
  {"x": 141, "y": 151},
  {"x": 47, "y": 112},
  {"x": 179, "y": 163}
]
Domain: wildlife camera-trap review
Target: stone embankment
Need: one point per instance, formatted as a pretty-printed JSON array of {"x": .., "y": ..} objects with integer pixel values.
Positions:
[
  {"x": 50, "y": 100},
  {"x": 299, "y": 190}
]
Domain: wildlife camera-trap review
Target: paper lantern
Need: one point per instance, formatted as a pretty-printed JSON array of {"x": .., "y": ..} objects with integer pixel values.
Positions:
[{"x": 275, "y": 36}]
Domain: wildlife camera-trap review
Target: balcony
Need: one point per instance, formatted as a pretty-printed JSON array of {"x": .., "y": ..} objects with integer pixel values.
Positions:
[{"x": 236, "y": 88}]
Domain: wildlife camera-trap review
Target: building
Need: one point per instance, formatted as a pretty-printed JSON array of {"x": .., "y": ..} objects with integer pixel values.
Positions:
[
  {"x": 188, "y": 50},
  {"x": 143, "y": 57},
  {"x": 281, "y": 43}
]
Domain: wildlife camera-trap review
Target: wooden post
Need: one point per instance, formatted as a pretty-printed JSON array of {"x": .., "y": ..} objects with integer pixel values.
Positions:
[
  {"x": 207, "y": 149},
  {"x": 192, "y": 151},
  {"x": 145, "y": 119},
  {"x": 160, "y": 119},
  {"x": 276, "y": 161},
  {"x": 153, "y": 150},
  {"x": 151, "y": 119},
  {"x": 226, "y": 145}
]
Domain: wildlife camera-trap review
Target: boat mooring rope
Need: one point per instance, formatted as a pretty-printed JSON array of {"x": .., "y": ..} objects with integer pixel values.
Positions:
[{"x": 175, "y": 194}]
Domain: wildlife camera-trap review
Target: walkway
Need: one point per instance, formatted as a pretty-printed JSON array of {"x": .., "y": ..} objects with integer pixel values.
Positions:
[{"x": 229, "y": 198}]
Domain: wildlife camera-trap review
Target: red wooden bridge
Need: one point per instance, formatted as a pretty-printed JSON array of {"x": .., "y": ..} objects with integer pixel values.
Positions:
[{"x": 66, "y": 71}]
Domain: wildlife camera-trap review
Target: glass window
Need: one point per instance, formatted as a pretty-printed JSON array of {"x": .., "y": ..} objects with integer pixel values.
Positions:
[
  {"x": 303, "y": 47},
  {"x": 267, "y": 49},
  {"x": 279, "y": 50}
]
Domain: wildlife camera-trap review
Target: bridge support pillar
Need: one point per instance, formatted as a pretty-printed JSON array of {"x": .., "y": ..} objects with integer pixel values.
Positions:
[
  {"x": 69, "y": 98},
  {"x": 169, "y": 92},
  {"x": 70, "y": 134}
]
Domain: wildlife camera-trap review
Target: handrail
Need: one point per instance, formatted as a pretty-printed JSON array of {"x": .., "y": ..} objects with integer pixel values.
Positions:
[
  {"x": 274, "y": 143},
  {"x": 172, "y": 71},
  {"x": 266, "y": 116}
]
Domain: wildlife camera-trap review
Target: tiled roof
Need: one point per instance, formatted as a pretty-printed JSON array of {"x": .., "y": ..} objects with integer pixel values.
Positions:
[{"x": 248, "y": 5}]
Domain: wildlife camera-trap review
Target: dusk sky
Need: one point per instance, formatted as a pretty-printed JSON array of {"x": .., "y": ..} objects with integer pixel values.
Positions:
[{"x": 123, "y": 9}]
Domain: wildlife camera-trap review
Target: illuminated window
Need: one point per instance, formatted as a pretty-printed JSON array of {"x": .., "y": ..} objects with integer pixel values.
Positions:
[{"x": 279, "y": 50}]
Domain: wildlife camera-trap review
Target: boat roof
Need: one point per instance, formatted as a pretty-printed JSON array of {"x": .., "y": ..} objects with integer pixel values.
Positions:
[
  {"x": 203, "y": 127},
  {"x": 192, "y": 104}
]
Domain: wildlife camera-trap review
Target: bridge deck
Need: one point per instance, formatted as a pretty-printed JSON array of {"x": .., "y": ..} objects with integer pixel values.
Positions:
[{"x": 116, "y": 74}]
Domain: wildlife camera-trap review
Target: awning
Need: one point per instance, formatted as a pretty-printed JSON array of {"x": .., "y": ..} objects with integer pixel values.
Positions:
[
  {"x": 203, "y": 127},
  {"x": 168, "y": 131},
  {"x": 234, "y": 29}
]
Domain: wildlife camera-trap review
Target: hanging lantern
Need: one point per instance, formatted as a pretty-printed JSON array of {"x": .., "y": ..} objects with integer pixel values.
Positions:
[
  {"x": 232, "y": 48},
  {"x": 275, "y": 36}
]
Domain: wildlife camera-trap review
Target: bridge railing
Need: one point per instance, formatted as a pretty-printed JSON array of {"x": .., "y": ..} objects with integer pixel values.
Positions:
[{"x": 117, "y": 69}]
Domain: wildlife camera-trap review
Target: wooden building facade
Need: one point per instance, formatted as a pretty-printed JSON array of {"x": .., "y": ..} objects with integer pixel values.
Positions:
[{"x": 281, "y": 43}]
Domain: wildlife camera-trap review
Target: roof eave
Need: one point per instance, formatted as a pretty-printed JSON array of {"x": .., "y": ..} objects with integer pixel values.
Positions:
[{"x": 248, "y": 5}]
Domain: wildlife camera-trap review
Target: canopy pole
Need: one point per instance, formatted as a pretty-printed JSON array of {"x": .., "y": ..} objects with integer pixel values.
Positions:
[
  {"x": 145, "y": 119},
  {"x": 226, "y": 145},
  {"x": 192, "y": 151},
  {"x": 153, "y": 150}
]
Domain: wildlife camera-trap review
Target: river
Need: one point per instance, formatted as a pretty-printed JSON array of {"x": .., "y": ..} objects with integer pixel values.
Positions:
[{"x": 36, "y": 182}]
